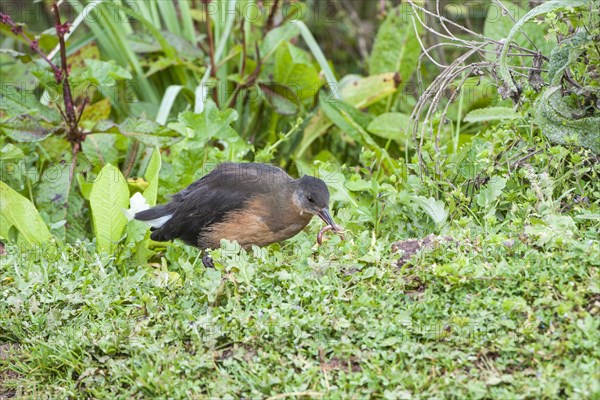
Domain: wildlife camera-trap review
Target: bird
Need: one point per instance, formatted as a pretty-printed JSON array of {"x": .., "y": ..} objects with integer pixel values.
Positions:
[{"x": 252, "y": 203}]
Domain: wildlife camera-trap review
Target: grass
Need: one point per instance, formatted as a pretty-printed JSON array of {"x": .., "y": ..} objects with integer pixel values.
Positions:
[{"x": 474, "y": 315}]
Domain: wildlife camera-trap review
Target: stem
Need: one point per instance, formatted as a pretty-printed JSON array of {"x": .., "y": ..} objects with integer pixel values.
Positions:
[
  {"x": 74, "y": 135},
  {"x": 271, "y": 18},
  {"x": 211, "y": 51},
  {"x": 33, "y": 44}
]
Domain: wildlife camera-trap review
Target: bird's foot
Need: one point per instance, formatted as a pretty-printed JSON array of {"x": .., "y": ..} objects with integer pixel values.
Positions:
[{"x": 207, "y": 261}]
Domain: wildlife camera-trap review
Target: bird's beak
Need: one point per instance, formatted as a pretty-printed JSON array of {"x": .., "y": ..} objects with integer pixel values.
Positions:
[{"x": 326, "y": 216}]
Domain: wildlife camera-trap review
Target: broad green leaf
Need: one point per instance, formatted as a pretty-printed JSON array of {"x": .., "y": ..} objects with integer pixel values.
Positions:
[
  {"x": 100, "y": 149},
  {"x": 16, "y": 102},
  {"x": 95, "y": 112},
  {"x": 281, "y": 98},
  {"x": 366, "y": 91},
  {"x": 151, "y": 176},
  {"x": 390, "y": 126},
  {"x": 396, "y": 47},
  {"x": 27, "y": 128},
  {"x": 332, "y": 110},
  {"x": 434, "y": 208},
  {"x": 108, "y": 198},
  {"x": 317, "y": 53},
  {"x": 275, "y": 37},
  {"x": 353, "y": 122},
  {"x": 552, "y": 229},
  {"x": 19, "y": 212},
  {"x": 360, "y": 93},
  {"x": 10, "y": 152},
  {"x": 52, "y": 194},
  {"x": 492, "y": 114},
  {"x": 293, "y": 68}
]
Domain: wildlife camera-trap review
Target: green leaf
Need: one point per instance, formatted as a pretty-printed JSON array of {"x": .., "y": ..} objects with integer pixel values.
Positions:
[
  {"x": 16, "y": 101},
  {"x": 564, "y": 55},
  {"x": 360, "y": 93},
  {"x": 492, "y": 114},
  {"x": 100, "y": 149},
  {"x": 275, "y": 37},
  {"x": 19, "y": 212},
  {"x": 396, "y": 47},
  {"x": 281, "y": 98},
  {"x": 144, "y": 130},
  {"x": 488, "y": 195},
  {"x": 52, "y": 194},
  {"x": 151, "y": 176},
  {"x": 104, "y": 73},
  {"x": 108, "y": 198},
  {"x": 544, "y": 8},
  {"x": 498, "y": 25},
  {"x": 366, "y": 91},
  {"x": 434, "y": 208},
  {"x": 23, "y": 57},
  {"x": 10, "y": 152},
  {"x": 27, "y": 128},
  {"x": 293, "y": 68},
  {"x": 390, "y": 126},
  {"x": 555, "y": 118},
  {"x": 210, "y": 124}
]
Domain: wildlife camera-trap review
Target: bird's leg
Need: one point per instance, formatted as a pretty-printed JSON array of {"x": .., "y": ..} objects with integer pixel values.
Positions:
[{"x": 207, "y": 260}]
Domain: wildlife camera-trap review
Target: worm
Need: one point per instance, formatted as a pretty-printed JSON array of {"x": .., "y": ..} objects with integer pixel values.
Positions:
[{"x": 336, "y": 229}]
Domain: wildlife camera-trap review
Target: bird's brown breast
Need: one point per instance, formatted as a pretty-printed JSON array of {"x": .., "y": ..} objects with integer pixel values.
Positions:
[{"x": 261, "y": 222}]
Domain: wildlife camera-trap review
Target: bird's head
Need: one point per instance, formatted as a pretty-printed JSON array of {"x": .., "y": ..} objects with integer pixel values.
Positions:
[{"x": 312, "y": 196}]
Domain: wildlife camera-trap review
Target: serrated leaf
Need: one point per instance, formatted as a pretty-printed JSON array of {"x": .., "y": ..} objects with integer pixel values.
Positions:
[
  {"x": 27, "y": 128},
  {"x": 105, "y": 73},
  {"x": 14, "y": 102},
  {"x": 491, "y": 114},
  {"x": 19, "y": 212},
  {"x": 144, "y": 130},
  {"x": 108, "y": 198},
  {"x": 211, "y": 123}
]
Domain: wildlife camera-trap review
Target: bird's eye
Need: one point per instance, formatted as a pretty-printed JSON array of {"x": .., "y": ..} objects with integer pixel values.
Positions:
[{"x": 310, "y": 199}]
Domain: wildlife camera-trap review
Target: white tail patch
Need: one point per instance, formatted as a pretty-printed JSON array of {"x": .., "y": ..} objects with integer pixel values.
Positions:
[{"x": 159, "y": 222}]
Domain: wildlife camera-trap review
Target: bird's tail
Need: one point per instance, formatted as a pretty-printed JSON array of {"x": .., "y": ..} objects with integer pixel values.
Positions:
[{"x": 156, "y": 217}]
